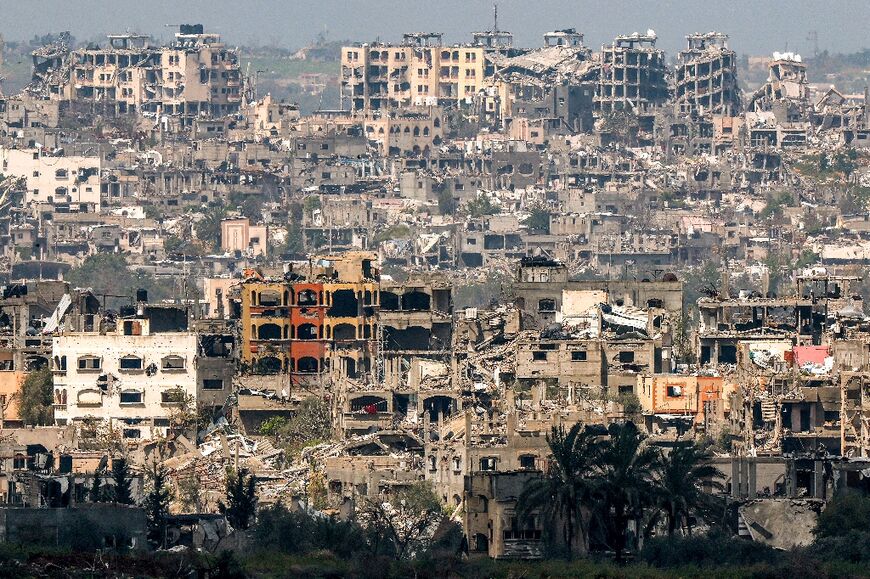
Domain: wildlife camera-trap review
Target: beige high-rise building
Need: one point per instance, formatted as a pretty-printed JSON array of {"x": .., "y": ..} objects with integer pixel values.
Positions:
[{"x": 419, "y": 71}]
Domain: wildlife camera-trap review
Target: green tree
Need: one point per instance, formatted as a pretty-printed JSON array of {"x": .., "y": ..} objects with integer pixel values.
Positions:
[
  {"x": 539, "y": 220},
  {"x": 564, "y": 494},
  {"x": 272, "y": 426},
  {"x": 250, "y": 206},
  {"x": 295, "y": 241},
  {"x": 108, "y": 273},
  {"x": 241, "y": 494},
  {"x": 397, "y": 231},
  {"x": 403, "y": 525},
  {"x": 95, "y": 494},
  {"x": 824, "y": 162},
  {"x": 697, "y": 282},
  {"x": 37, "y": 398},
  {"x": 481, "y": 205},
  {"x": 311, "y": 424},
  {"x": 846, "y": 512},
  {"x": 680, "y": 477},
  {"x": 310, "y": 204},
  {"x": 189, "y": 494},
  {"x": 631, "y": 405},
  {"x": 684, "y": 351},
  {"x": 807, "y": 257},
  {"x": 121, "y": 492},
  {"x": 625, "y": 484},
  {"x": 775, "y": 204},
  {"x": 208, "y": 229},
  {"x": 446, "y": 202},
  {"x": 156, "y": 505}
]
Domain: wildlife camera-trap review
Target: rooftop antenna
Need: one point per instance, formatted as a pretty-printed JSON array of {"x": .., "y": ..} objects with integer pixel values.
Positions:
[{"x": 495, "y": 16}]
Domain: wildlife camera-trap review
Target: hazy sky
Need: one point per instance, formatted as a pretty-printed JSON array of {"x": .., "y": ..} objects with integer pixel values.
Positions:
[{"x": 755, "y": 26}]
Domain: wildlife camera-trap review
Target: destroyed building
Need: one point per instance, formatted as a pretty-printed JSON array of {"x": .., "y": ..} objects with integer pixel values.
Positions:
[
  {"x": 419, "y": 71},
  {"x": 195, "y": 74},
  {"x": 633, "y": 75},
  {"x": 135, "y": 372},
  {"x": 706, "y": 77},
  {"x": 484, "y": 242}
]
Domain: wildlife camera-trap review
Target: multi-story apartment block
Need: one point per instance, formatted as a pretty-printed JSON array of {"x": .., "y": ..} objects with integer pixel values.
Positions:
[
  {"x": 136, "y": 373},
  {"x": 314, "y": 321},
  {"x": 706, "y": 78},
  {"x": 419, "y": 71},
  {"x": 196, "y": 74},
  {"x": 68, "y": 183},
  {"x": 633, "y": 75}
]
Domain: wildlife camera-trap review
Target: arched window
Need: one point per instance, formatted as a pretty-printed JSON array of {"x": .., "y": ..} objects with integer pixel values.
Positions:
[
  {"x": 307, "y": 365},
  {"x": 306, "y": 298},
  {"x": 343, "y": 332},
  {"x": 306, "y": 332},
  {"x": 269, "y": 332},
  {"x": 173, "y": 362}
]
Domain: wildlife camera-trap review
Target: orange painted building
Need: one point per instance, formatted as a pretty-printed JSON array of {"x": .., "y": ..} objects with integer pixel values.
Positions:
[{"x": 678, "y": 394}]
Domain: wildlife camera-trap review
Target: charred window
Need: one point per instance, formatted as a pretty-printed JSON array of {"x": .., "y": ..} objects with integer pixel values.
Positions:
[
  {"x": 343, "y": 332},
  {"x": 269, "y": 332},
  {"x": 389, "y": 301},
  {"x": 173, "y": 363},
  {"x": 727, "y": 354},
  {"x": 213, "y": 384},
  {"x": 308, "y": 365},
  {"x": 416, "y": 301},
  {"x": 344, "y": 304},
  {"x": 267, "y": 365},
  {"x": 270, "y": 298},
  {"x": 89, "y": 363},
  {"x": 172, "y": 396},
  {"x": 307, "y": 332},
  {"x": 131, "y": 397},
  {"x": 306, "y": 298}
]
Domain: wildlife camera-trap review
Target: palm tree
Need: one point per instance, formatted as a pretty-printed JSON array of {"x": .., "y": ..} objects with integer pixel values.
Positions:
[
  {"x": 564, "y": 492},
  {"x": 625, "y": 485},
  {"x": 680, "y": 477}
]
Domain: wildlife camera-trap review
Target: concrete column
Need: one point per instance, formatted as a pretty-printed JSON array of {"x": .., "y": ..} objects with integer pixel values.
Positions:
[
  {"x": 818, "y": 479},
  {"x": 735, "y": 477},
  {"x": 753, "y": 464}
]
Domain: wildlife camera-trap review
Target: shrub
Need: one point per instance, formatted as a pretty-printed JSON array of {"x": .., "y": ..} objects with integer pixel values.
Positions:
[
  {"x": 712, "y": 550},
  {"x": 846, "y": 512}
]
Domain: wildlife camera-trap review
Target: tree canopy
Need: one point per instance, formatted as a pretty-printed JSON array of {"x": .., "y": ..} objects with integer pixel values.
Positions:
[
  {"x": 37, "y": 397},
  {"x": 109, "y": 273}
]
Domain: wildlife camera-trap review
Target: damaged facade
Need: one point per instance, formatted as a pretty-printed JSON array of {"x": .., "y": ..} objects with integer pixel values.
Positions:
[{"x": 484, "y": 242}]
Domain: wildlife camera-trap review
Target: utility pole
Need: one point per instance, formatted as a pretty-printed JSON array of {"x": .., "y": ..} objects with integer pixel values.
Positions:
[
  {"x": 2, "y": 50},
  {"x": 813, "y": 37}
]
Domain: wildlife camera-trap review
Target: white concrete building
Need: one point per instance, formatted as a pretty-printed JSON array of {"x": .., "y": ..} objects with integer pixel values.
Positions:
[
  {"x": 133, "y": 378},
  {"x": 69, "y": 183}
]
